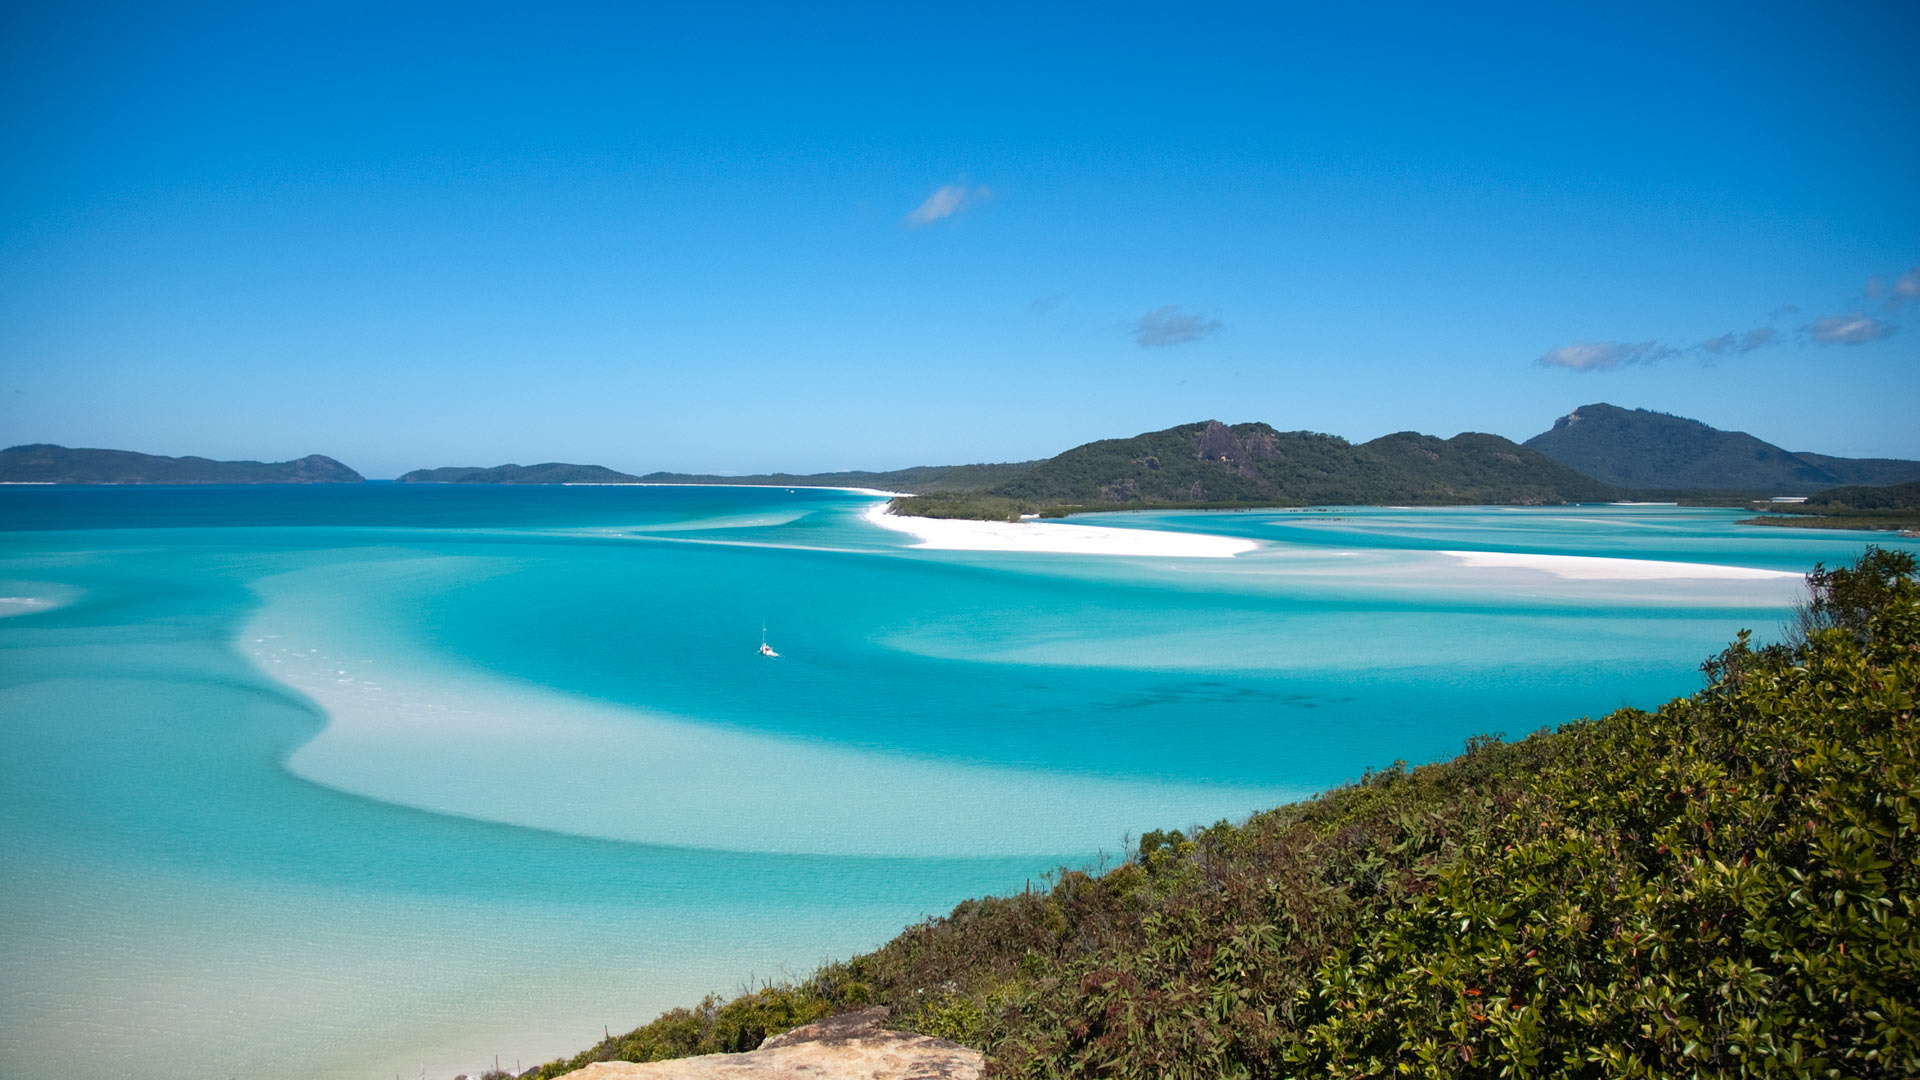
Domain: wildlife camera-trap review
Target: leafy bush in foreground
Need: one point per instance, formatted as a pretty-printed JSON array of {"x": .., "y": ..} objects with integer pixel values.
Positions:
[{"x": 1725, "y": 887}]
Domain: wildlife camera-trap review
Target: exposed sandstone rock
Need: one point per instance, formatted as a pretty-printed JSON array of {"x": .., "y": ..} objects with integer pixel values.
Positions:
[{"x": 851, "y": 1047}]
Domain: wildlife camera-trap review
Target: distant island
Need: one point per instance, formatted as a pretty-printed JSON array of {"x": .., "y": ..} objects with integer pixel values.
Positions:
[
  {"x": 918, "y": 479},
  {"x": 1595, "y": 453},
  {"x": 45, "y": 463},
  {"x": 551, "y": 472}
]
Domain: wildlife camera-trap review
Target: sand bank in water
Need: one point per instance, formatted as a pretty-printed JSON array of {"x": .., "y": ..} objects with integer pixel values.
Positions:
[
  {"x": 950, "y": 534},
  {"x": 1597, "y": 568}
]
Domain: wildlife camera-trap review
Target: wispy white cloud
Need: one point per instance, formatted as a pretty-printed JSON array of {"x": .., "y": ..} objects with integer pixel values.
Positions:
[
  {"x": 1905, "y": 287},
  {"x": 1169, "y": 325},
  {"x": 1604, "y": 355},
  {"x": 1757, "y": 338},
  {"x": 946, "y": 201},
  {"x": 1855, "y": 329}
]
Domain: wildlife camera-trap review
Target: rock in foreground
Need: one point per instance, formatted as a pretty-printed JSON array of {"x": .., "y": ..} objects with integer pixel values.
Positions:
[{"x": 847, "y": 1047}]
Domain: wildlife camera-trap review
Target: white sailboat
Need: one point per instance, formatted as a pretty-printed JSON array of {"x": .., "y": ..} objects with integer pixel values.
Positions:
[{"x": 765, "y": 649}]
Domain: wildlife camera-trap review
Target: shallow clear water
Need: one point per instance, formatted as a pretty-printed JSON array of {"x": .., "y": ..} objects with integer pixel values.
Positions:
[{"x": 348, "y": 781}]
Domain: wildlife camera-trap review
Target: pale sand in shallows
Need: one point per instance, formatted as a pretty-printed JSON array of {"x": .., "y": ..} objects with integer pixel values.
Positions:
[
  {"x": 1596, "y": 568},
  {"x": 948, "y": 534}
]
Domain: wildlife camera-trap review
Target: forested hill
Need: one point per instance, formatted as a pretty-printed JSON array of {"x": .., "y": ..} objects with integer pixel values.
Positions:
[
  {"x": 1638, "y": 448},
  {"x": 45, "y": 463},
  {"x": 1211, "y": 462},
  {"x": 551, "y": 472}
]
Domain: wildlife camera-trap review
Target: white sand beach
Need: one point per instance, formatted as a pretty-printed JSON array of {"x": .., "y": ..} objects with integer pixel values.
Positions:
[
  {"x": 950, "y": 534},
  {"x": 1597, "y": 568}
]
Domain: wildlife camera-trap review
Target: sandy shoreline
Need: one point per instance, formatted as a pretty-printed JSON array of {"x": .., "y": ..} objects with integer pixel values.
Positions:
[{"x": 952, "y": 534}]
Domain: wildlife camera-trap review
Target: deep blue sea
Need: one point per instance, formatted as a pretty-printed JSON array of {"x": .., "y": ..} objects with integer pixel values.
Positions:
[{"x": 355, "y": 781}]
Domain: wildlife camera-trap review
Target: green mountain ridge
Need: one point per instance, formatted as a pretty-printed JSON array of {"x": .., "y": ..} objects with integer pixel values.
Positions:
[
  {"x": 1888, "y": 497},
  {"x": 1643, "y": 449},
  {"x": 1867, "y": 472},
  {"x": 1209, "y": 462},
  {"x": 46, "y": 463}
]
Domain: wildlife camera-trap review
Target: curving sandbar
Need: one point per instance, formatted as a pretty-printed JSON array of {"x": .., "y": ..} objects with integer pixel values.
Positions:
[
  {"x": 1600, "y": 568},
  {"x": 951, "y": 534}
]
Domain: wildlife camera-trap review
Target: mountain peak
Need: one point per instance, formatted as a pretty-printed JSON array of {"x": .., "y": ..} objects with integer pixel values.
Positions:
[{"x": 1641, "y": 448}]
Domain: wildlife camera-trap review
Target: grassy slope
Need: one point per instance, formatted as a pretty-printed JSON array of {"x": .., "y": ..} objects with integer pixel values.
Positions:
[{"x": 1729, "y": 886}]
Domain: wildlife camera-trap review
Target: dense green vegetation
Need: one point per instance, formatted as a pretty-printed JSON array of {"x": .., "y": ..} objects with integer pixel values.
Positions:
[
  {"x": 1726, "y": 887},
  {"x": 960, "y": 504},
  {"x": 1895, "y": 498},
  {"x": 1874, "y": 472},
  {"x": 1210, "y": 464},
  {"x": 45, "y": 463},
  {"x": 1895, "y": 506},
  {"x": 1642, "y": 449},
  {"x": 550, "y": 472}
]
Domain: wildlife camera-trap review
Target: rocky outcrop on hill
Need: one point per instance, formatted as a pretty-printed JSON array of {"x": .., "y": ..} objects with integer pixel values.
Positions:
[{"x": 853, "y": 1046}]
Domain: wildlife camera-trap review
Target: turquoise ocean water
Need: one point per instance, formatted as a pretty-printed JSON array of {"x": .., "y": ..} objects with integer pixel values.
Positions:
[{"x": 352, "y": 781}]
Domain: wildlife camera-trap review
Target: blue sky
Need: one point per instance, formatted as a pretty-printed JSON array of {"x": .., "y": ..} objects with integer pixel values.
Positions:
[{"x": 736, "y": 238}]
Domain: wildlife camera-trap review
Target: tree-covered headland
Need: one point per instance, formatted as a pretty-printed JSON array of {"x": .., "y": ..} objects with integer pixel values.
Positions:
[
  {"x": 1727, "y": 886},
  {"x": 1214, "y": 465},
  {"x": 1894, "y": 506}
]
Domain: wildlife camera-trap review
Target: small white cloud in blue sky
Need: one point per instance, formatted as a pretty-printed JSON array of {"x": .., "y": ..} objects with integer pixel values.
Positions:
[
  {"x": 1852, "y": 328},
  {"x": 1604, "y": 355},
  {"x": 946, "y": 201},
  {"x": 1855, "y": 329},
  {"x": 1169, "y": 325}
]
